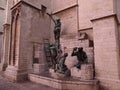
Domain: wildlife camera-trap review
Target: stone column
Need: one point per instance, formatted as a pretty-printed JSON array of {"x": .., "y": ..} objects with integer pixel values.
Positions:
[
  {"x": 6, "y": 34},
  {"x": 14, "y": 70},
  {"x": 107, "y": 51},
  {"x": 1, "y": 40},
  {"x": 6, "y": 43}
]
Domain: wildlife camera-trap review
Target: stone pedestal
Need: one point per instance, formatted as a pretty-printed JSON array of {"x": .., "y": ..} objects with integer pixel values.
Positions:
[
  {"x": 65, "y": 84},
  {"x": 15, "y": 74},
  {"x": 6, "y": 46},
  {"x": 75, "y": 72},
  {"x": 58, "y": 75},
  {"x": 85, "y": 73},
  {"x": 39, "y": 68}
]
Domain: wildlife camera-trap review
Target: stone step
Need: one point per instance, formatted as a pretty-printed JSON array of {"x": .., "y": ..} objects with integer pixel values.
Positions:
[{"x": 65, "y": 84}]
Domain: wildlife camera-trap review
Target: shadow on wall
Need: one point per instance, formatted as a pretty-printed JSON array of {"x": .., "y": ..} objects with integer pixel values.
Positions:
[{"x": 64, "y": 32}]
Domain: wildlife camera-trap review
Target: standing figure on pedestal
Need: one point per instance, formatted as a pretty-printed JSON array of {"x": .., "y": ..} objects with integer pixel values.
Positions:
[
  {"x": 81, "y": 56},
  {"x": 57, "y": 30}
]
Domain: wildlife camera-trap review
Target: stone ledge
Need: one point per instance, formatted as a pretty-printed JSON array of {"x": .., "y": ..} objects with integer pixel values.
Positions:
[
  {"x": 57, "y": 75},
  {"x": 65, "y": 84},
  {"x": 85, "y": 73}
]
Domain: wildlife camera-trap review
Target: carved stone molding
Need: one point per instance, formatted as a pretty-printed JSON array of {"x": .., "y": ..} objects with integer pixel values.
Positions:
[
  {"x": 6, "y": 26},
  {"x": 16, "y": 11}
]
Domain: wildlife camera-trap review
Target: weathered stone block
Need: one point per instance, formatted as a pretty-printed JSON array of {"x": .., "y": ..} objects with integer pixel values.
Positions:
[
  {"x": 39, "y": 68},
  {"x": 85, "y": 73},
  {"x": 59, "y": 75},
  {"x": 65, "y": 84}
]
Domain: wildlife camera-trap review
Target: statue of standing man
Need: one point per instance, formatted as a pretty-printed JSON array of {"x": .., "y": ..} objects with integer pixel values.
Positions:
[{"x": 57, "y": 29}]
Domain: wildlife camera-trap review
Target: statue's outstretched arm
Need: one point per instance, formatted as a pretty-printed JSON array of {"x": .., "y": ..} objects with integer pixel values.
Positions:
[
  {"x": 52, "y": 18},
  {"x": 74, "y": 52}
]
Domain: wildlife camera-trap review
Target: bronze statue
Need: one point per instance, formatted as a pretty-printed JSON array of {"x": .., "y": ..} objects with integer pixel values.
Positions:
[
  {"x": 57, "y": 28},
  {"x": 61, "y": 67},
  {"x": 58, "y": 59},
  {"x": 81, "y": 56},
  {"x": 53, "y": 50},
  {"x": 55, "y": 54}
]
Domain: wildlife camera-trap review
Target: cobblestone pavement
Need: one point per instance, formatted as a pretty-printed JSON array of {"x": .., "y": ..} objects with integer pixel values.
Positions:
[{"x": 7, "y": 85}]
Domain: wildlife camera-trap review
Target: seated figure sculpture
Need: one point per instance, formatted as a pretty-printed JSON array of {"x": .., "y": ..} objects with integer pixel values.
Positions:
[
  {"x": 61, "y": 67},
  {"x": 81, "y": 56}
]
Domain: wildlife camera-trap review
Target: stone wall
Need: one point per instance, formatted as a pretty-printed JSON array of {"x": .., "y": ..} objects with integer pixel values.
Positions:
[
  {"x": 9, "y": 5},
  {"x": 106, "y": 38},
  {"x": 106, "y": 44},
  {"x": 34, "y": 28},
  {"x": 117, "y": 9},
  {"x": 56, "y": 4},
  {"x": 37, "y": 3},
  {"x": 29, "y": 26},
  {"x": 106, "y": 49},
  {"x": 75, "y": 15},
  {"x": 2, "y": 18},
  {"x": 68, "y": 14},
  {"x": 102, "y": 8},
  {"x": 2, "y": 13},
  {"x": 69, "y": 21}
]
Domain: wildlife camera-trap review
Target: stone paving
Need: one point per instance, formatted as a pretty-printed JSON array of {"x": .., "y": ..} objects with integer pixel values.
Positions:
[{"x": 7, "y": 85}]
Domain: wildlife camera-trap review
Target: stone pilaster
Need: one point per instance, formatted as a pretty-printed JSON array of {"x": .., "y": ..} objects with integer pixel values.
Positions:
[
  {"x": 15, "y": 70},
  {"x": 106, "y": 49},
  {"x": 6, "y": 43}
]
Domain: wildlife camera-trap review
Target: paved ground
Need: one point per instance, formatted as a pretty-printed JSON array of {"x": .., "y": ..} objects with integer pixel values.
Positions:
[{"x": 7, "y": 85}]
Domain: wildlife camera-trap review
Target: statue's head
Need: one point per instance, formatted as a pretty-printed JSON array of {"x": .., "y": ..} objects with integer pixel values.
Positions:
[
  {"x": 80, "y": 49},
  {"x": 75, "y": 48},
  {"x": 66, "y": 54},
  {"x": 58, "y": 20}
]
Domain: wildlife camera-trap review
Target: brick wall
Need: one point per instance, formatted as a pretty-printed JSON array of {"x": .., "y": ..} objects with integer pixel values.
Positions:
[
  {"x": 34, "y": 28},
  {"x": 2, "y": 20},
  {"x": 58, "y": 5},
  {"x": 106, "y": 45}
]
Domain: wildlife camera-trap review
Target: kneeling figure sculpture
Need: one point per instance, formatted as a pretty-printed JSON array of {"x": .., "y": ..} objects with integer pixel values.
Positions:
[{"x": 61, "y": 67}]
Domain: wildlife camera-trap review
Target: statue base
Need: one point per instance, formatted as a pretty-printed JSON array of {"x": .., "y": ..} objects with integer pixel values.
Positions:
[
  {"x": 85, "y": 73},
  {"x": 15, "y": 74},
  {"x": 58, "y": 75},
  {"x": 65, "y": 84},
  {"x": 39, "y": 68}
]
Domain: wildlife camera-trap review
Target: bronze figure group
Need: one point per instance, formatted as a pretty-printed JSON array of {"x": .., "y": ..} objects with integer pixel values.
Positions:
[{"x": 58, "y": 58}]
